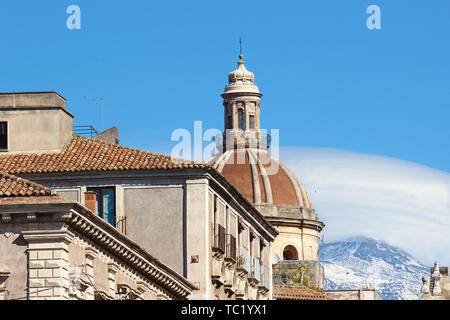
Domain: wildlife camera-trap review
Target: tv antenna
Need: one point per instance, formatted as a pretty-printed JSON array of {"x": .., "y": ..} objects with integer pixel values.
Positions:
[{"x": 101, "y": 109}]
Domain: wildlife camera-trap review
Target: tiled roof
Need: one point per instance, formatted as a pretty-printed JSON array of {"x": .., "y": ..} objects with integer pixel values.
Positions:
[
  {"x": 12, "y": 186},
  {"x": 298, "y": 293},
  {"x": 85, "y": 154}
]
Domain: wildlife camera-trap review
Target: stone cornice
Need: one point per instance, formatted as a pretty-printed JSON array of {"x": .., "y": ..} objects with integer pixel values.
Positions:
[
  {"x": 129, "y": 252},
  {"x": 297, "y": 222},
  {"x": 74, "y": 218}
]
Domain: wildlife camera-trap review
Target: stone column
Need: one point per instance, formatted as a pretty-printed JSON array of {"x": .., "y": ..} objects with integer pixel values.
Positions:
[
  {"x": 112, "y": 270},
  {"x": 90, "y": 254}
]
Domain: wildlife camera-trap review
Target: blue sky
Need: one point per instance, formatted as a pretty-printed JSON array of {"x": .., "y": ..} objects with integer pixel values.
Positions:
[{"x": 327, "y": 80}]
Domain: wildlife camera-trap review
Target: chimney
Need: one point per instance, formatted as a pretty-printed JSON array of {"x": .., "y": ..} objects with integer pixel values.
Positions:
[
  {"x": 90, "y": 201},
  {"x": 36, "y": 122}
]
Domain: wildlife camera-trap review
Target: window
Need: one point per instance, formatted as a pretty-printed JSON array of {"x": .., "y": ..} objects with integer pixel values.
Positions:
[
  {"x": 106, "y": 203},
  {"x": 241, "y": 119},
  {"x": 251, "y": 122},
  {"x": 230, "y": 122},
  {"x": 290, "y": 253},
  {"x": 231, "y": 236},
  {"x": 4, "y": 135},
  {"x": 221, "y": 236}
]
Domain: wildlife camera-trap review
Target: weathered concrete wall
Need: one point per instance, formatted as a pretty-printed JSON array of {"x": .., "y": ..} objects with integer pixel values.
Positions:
[
  {"x": 13, "y": 255},
  {"x": 37, "y": 130},
  {"x": 31, "y": 100},
  {"x": 73, "y": 194},
  {"x": 155, "y": 221},
  {"x": 109, "y": 136},
  {"x": 304, "y": 240},
  {"x": 198, "y": 236}
]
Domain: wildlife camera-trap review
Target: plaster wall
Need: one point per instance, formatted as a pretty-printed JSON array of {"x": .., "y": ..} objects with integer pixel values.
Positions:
[
  {"x": 13, "y": 254},
  {"x": 154, "y": 219},
  {"x": 37, "y": 130}
]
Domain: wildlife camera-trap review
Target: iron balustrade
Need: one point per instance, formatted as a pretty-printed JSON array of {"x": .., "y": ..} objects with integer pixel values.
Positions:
[
  {"x": 231, "y": 247},
  {"x": 243, "y": 261},
  {"x": 256, "y": 270},
  {"x": 221, "y": 238}
]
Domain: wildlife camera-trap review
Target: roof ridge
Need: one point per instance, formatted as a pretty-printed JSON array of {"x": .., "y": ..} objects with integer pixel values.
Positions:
[
  {"x": 117, "y": 145},
  {"x": 181, "y": 160},
  {"x": 82, "y": 154}
]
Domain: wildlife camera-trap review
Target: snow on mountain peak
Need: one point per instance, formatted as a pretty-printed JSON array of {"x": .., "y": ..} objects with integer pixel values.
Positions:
[{"x": 356, "y": 262}]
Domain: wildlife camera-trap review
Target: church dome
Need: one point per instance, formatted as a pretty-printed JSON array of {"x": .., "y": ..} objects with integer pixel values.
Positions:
[
  {"x": 261, "y": 178},
  {"x": 241, "y": 80}
]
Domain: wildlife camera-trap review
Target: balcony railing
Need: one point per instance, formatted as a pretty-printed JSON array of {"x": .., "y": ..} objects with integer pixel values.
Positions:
[
  {"x": 231, "y": 247},
  {"x": 220, "y": 241},
  {"x": 85, "y": 131},
  {"x": 265, "y": 275},
  {"x": 243, "y": 261},
  {"x": 256, "y": 270}
]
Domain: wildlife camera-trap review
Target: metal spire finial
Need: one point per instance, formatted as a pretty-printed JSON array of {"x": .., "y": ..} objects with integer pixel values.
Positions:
[{"x": 240, "y": 48}]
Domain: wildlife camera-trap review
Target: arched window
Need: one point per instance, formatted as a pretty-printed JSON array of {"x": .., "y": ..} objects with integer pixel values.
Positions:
[
  {"x": 230, "y": 122},
  {"x": 241, "y": 119},
  {"x": 290, "y": 253}
]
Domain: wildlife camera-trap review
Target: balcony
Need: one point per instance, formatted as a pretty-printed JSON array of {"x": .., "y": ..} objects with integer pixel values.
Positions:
[
  {"x": 243, "y": 262},
  {"x": 219, "y": 241},
  {"x": 264, "y": 284},
  {"x": 255, "y": 274},
  {"x": 231, "y": 249}
]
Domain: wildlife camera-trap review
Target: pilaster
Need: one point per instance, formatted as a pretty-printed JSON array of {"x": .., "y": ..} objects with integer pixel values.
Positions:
[{"x": 48, "y": 261}]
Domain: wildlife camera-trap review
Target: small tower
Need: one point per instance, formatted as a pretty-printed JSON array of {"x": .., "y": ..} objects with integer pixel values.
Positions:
[
  {"x": 242, "y": 101},
  {"x": 265, "y": 181}
]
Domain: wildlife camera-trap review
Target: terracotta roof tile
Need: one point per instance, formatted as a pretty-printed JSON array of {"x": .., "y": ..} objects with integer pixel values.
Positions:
[
  {"x": 85, "y": 154},
  {"x": 12, "y": 186},
  {"x": 298, "y": 293}
]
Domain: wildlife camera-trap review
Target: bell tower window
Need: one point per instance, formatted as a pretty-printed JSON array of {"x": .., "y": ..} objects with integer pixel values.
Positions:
[
  {"x": 241, "y": 119},
  {"x": 251, "y": 122},
  {"x": 229, "y": 122}
]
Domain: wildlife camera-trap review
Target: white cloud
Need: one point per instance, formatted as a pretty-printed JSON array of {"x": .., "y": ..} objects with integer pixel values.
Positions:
[{"x": 400, "y": 202}]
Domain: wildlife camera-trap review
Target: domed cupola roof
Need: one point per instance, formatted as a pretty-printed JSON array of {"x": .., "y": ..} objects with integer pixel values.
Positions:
[
  {"x": 241, "y": 80},
  {"x": 261, "y": 178}
]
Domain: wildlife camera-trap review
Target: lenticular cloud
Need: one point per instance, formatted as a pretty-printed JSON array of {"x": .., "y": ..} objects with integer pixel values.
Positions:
[{"x": 400, "y": 202}]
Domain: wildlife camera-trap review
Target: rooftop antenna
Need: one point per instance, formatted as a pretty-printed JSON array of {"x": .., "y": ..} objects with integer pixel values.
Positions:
[{"x": 101, "y": 109}]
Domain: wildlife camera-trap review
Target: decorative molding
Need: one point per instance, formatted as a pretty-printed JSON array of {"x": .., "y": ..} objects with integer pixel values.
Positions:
[
  {"x": 64, "y": 236},
  {"x": 31, "y": 217},
  {"x": 8, "y": 235},
  {"x": 120, "y": 249},
  {"x": 90, "y": 253},
  {"x": 113, "y": 268},
  {"x": 6, "y": 218}
]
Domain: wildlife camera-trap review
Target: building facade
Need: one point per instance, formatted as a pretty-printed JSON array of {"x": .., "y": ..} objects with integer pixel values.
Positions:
[
  {"x": 54, "y": 248},
  {"x": 184, "y": 213}
]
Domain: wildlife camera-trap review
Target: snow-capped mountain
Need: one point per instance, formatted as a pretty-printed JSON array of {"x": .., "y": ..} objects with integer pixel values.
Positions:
[{"x": 357, "y": 262}]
